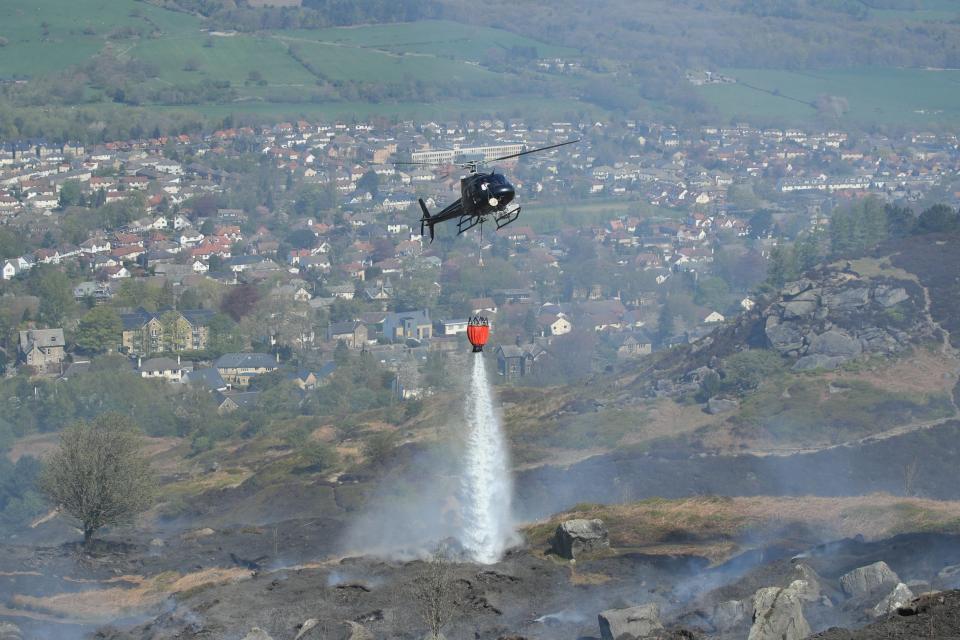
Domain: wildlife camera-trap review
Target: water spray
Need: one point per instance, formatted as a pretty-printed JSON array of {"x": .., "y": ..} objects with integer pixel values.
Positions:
[{"x": 486, "y": 486}]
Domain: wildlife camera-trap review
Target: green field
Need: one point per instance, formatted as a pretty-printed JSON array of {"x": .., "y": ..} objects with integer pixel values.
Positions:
[
  {"x": 434, "y": 37},
  {"x": 926, "y": 11},
  {"x": 882, "y": 96}
]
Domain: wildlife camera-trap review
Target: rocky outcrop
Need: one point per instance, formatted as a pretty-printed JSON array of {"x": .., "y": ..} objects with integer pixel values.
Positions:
[
  {"x": 896, "y": 599},
  {"x": 865, "y": 580},
  {"x": 837, "y": 318},
  {"x": 729, "y": 615},
  {"x": 630, "y": 624},
  {"x": 575, "y": 537},
  {"x": 778, "y": 615}
]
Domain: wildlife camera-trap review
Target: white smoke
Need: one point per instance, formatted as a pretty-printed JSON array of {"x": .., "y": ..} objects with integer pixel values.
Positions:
[{"x": 486, "y": 486}]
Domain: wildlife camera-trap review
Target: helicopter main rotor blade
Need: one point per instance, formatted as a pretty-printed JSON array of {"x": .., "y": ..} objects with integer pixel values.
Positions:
[{"x": 523, "y": 153}]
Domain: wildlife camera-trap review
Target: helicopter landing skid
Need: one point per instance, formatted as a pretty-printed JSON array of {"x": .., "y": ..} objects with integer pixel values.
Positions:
[{"x": 507, "y": 217}]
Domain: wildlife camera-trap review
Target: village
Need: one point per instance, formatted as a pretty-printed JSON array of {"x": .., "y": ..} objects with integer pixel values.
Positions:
[{"x": 214, "y": 258}]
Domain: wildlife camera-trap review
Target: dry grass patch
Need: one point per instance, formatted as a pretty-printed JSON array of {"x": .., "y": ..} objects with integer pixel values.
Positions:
[
  {"x": 924, "y": 371},
  {"x": 718, "y": 528},
  {"x": 97, "y": 605}
]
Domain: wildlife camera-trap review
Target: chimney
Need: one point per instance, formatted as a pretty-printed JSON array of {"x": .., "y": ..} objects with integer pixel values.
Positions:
[
  {"x": 139, "y": 362},
  {"x": 178, "y": 359}
]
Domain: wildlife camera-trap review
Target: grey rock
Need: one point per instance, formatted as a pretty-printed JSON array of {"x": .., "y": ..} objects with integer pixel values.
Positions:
[
  {"x": 792, "y": 289},
  {"x": 785, "y": 336},
  {"x": 796, "y": 309},
  {"x": 835, "y": 344},
  {"x": 721, "y": 405},
  {"x": 575, "y": 537},
  {"x": 359, "y": 632},
  {"x": 847, "y": 298},
  {"x": 890, "y": 296},
  {"x": 630, "y": 624},
  {"x": 778, "y": 615},
  {"x": 729, "y": 615},
  {"x": 817, "y": 361},
  {"x": 900, "y": 596},
  {"x": 877, "y": 340},
  {"x": 306, "y": 627},
  {"x": 864, "y": 580},
  {"x": 10, "y": 631}
]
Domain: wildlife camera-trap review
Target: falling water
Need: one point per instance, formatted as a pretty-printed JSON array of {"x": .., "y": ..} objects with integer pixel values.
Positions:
[{"x": 486, "y": 485}]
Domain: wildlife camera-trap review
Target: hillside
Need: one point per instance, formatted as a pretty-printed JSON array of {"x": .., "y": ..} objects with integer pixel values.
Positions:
[{"x": 185, "y": 61}]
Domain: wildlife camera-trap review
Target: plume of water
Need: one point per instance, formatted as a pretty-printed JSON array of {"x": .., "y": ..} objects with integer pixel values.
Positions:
[{"x": 486, "y": 486}]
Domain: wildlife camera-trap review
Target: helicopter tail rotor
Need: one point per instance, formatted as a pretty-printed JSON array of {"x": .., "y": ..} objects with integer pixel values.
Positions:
[{"x": 425, "y": 220}]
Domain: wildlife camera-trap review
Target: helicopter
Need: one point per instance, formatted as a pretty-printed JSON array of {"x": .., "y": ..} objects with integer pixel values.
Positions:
[{"x": 482, "y": 195}]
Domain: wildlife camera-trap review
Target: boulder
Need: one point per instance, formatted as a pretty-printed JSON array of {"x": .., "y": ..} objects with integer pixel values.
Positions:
[
  {"x": 796, "y": 309},
  {"x": 306, "y": 627},
  {"x": 257, "y": 633},
  {"x": 9, "y": 631},
  {"x": 728, "y": 615},
  {"x": 630, "y": 624},
  {"x": 784, "y": 336},
  {"x": 792, "y": 289},
  {"x": 817, "y": 361},
  {"x": 862, "y": 581},
  {"x": 846, "y": 299},
  {"x": 721, "y": 405},
  {"x": 575, "y": 537},
  {"x": 899, "y": 597},
  {"x": 877, "y": 340},
  {"x": 778, "y": 615},
  {"x": 835, "y": 344},
  {"x": 890, "y": 296},
  {"x": 360, "y": 632}
]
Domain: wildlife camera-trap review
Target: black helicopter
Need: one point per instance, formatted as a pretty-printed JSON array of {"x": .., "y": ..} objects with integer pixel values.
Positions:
[{"x": 482, "y": 195}]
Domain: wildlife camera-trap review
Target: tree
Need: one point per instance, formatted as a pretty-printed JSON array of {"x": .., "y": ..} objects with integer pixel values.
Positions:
[
  {"x": 240, "y": 301},
  {"x": 431, "y": 589},
  {"x": 938, "y": 219},
  {"x": 53, "y": 288},
  {"x": 99, "y": 330},
  {"x": 70, "y": 194},
  {"x": 99, "y": 476},
  {"x": 369, "y": 182}
]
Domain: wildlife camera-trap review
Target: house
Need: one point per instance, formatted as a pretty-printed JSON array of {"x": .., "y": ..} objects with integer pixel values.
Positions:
[
  {"x": 451, "y": 327},
  {"x": 9, "y": 270},
  {"x": 515, "y": 361},
  {"x": 145, "y": 333},
  {"x": 407, "y": 325},
  {"x": 208, "y": 377},
  {"x": 712, "y": 317},
  {"x": 230, "y": 402},
  {"x": 554, "y": 324},
  {"x": 99, "y": 292},
  {"x": 41, "y": 347},
  {"x": 238, "y": 368},
  {"x": 631, "y": 345},
  {"x": 161, "y": 368},
  {"x": 351, "y": 333}
]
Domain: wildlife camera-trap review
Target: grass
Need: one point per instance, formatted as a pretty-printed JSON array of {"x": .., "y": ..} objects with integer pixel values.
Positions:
[
  {"x": 875, "y": 95},
  {"x": 803, "y": 410},
  {"x": 112, "y": 603},
  {"x": 433, "y": 37},
  {"x": 719, "y": 527}
]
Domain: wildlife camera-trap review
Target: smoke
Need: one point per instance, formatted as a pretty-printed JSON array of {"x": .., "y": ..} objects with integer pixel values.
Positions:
[
  {"x": 486, "y": 486},
  {"x": 456, "y": 493}
]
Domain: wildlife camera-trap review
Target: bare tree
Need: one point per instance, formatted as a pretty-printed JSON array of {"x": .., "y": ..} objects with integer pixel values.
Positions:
[
  {"x": 432, "y": 593},
  {"x": 98, "y": 476}
]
